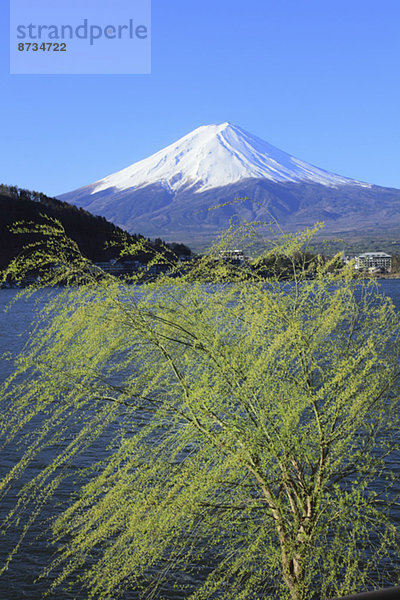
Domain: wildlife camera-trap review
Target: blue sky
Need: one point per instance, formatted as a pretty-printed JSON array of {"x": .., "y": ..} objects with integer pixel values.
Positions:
[{"x": 317, "y": 78}]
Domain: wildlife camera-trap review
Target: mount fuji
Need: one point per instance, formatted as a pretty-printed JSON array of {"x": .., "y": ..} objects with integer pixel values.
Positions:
[{"x": 170, "y": 194}]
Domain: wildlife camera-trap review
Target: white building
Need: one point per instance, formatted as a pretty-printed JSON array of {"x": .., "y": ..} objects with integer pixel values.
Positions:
[
  {"x": 372, "y": 261},
  {"x": 232, "y": 256}
]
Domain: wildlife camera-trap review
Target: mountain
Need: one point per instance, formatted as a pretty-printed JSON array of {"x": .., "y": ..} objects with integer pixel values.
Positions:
[
  {"x": 170, "y": 194},
  {"x": 97, "y": 239}
]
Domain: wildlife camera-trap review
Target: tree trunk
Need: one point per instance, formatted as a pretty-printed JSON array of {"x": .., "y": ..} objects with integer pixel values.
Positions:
[{"x": 293, "y": 574}]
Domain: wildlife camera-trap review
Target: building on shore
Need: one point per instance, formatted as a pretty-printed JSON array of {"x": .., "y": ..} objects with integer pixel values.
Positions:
[
  {"x": 235, "y": 257},
  {"x": 374, "y": 262}
]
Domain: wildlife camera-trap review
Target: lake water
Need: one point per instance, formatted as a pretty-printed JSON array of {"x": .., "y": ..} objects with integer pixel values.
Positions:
[{"x": 18, "y": 582}]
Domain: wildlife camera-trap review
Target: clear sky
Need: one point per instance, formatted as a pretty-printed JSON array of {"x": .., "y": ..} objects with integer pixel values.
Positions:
[{"x": 320, "y": 79}]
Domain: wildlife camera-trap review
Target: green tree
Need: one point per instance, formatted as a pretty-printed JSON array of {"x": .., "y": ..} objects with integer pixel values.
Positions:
[{"x": 253, "y": 425}]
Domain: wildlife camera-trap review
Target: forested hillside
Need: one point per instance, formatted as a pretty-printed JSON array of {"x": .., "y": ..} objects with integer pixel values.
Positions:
[{"x": 92, "y": 233}]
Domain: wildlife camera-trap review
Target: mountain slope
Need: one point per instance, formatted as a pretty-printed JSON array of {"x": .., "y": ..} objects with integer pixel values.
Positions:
[
  {"x": 97, "y": 239},
  {"x": 214, "y": 156},
  {"x": 171, "y": 192}
]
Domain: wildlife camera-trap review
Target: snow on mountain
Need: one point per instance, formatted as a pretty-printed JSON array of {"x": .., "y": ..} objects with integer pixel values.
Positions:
[
  {"x": 218, "y": 155},
  {"x": 170, "y": 194}
]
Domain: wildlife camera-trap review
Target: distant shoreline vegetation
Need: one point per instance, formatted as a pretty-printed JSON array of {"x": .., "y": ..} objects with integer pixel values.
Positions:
[
  {"x": 26, "y": 215},
  {"x": 25, "y": 212}
]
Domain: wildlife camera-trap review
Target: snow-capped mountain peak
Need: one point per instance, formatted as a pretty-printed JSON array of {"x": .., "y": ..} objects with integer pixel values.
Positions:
[{"x": 213, "y": 156}]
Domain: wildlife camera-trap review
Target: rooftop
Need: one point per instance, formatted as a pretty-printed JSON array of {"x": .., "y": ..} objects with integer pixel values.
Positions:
[{"x": 376, "y": 255}]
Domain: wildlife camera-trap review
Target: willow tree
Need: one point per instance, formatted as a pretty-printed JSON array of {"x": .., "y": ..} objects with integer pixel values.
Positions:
[{"x": 249, "y": 428}]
